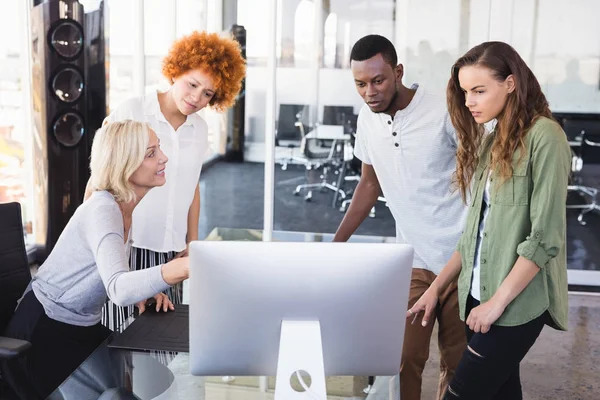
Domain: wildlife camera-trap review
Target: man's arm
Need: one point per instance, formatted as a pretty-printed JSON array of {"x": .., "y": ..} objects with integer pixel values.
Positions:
[{"x": 364, "y": 198}]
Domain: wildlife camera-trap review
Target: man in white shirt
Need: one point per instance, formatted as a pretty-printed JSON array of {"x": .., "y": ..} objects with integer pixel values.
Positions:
[{"x": 407, "y": 146}]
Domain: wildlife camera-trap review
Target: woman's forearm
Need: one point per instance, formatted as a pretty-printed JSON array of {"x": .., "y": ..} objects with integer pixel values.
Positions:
[
  {"x": 448, "y": 274},
  {"x": 517, "y": 280},
  {"x": 176, "y": 270}
]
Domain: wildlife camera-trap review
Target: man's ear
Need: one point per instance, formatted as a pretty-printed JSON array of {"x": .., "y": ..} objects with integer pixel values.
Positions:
[
  {"x": 399, "y": 72},
  {"x": 510, "y": 82}
]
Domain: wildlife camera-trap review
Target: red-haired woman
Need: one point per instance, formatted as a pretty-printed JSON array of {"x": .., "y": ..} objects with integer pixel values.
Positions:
[
  {"x": 204, "y": 69},
  {"x": 512, "y": 255}
]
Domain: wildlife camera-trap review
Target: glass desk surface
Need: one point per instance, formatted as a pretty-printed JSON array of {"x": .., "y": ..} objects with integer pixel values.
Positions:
[{"x": 118, "y": 374}]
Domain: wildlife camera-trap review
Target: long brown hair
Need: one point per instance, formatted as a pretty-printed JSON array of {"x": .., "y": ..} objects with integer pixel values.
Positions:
[{"x": 523, "y": 106}]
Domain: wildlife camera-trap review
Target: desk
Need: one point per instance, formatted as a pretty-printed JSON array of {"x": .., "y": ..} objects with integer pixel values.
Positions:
[
  {"x": 328, "y": 132},
  {"x": 146, "y": 377}
]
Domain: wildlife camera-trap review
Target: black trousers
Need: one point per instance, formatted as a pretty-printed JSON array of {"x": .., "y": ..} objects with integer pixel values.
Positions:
[
  {"x": 57, "y": 349},
  {"x": 493, "y": 373}
]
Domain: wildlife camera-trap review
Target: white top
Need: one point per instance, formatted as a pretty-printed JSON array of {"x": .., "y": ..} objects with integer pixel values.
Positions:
[
  {"x": 414, "y": 157},
  {"x": 160, "y": 220},
  {"x": 476, "y": 282},
  {"x": 89, "y": 261}
]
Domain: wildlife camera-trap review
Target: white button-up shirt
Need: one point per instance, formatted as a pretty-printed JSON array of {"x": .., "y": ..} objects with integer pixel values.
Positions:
[
  {"x": 414, "y": 157},
  {"x": 160, "y": 220}
]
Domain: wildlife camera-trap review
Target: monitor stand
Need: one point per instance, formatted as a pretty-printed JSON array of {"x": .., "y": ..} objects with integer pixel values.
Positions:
[{"x": 300, "y": 349}]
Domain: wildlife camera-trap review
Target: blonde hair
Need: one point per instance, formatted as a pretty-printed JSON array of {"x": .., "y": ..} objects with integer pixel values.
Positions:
[{"x": 118, "y": 150}]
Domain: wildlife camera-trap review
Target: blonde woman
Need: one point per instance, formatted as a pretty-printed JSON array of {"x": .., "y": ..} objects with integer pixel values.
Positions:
[
  {"x": 204, "y": 69},
  {"x": 61, "y": 309}
]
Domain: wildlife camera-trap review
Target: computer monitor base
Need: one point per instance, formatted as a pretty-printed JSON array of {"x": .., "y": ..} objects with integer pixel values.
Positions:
[{"x": 300, "y": 349}]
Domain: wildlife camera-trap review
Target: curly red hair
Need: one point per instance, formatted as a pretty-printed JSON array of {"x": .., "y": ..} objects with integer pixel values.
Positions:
[{"x": 220, "y": 57}]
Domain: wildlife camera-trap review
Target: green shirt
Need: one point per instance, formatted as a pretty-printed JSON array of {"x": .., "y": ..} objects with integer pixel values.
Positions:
[{"x": 527, "y": 217}]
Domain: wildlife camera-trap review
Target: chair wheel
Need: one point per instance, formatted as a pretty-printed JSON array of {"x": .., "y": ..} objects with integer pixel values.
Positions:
[
  {"x": 308, "y": 197},
  {"x": 296, "y": 192}
]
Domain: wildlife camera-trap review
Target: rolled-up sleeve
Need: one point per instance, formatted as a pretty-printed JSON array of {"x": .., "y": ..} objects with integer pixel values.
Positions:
[{"x": 550, "y": 169}]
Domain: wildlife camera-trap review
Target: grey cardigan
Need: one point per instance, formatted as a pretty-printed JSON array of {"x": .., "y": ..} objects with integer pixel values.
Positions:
[{"x": 89, "y": 262}]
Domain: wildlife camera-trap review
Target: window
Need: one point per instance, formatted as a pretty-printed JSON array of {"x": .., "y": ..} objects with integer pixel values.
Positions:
[
  {"x": 164, "y": 22},
  {"x": 330, "y": 42},
  {"x": 304, "y": 29},
  {"x": 16, "y": 179}
]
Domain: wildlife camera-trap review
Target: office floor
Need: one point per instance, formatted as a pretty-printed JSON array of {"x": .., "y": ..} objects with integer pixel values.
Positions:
[
  {"x": 232, "y": 197},
  {"x": 561, "y": 365}
]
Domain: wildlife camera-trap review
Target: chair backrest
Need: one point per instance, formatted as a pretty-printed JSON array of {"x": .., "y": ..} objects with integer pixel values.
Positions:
[
  {"x": 289, "y": 114},
  {"x": 585, "y": 128},
  {"x": 337, "y": 115},
  {"x": 14, "y": 267}
]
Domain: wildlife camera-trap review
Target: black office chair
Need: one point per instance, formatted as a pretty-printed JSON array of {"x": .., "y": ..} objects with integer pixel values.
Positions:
[
  {"x": 354, "y": 166},
  {"x": 288, "y": 134},
  {"x": 14, "y": 278},
  {"x": 336, "y": 115},
  {"x": 583, "y": 133}
]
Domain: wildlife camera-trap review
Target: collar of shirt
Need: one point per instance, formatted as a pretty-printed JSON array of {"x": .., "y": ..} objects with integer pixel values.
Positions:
[
  {"x": 414, "y": 102},
  {"x": 152, "y": 107}
]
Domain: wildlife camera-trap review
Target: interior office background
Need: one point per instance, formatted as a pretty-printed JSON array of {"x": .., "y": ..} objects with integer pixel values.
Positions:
[{"x": 559, "y": 39}]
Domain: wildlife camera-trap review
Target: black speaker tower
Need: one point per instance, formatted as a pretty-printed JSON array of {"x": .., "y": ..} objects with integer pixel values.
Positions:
[
  {"x": 234, "y": 150},
  {"x": 69, "y": 103}
]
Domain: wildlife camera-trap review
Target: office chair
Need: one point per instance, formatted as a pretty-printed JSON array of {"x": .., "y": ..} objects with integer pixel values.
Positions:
[
  {"x": 332, "y": 115},
  {"x": 346, "y": 204},
  {"x": 337, "y": 115},
  {"x": 317, "y": 156},
  {"x": 287, "y": 134},
  {"x": 14, "y": 278},
  {"x": 581, "y": 130},
  {"x": 355, "y": 166}
]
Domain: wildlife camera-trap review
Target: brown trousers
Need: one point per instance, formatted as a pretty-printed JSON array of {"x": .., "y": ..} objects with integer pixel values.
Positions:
[{"x": 452, "y": 340}]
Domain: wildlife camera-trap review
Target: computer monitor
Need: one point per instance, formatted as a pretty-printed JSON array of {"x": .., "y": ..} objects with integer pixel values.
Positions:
[{"x": 240, "y": 292}]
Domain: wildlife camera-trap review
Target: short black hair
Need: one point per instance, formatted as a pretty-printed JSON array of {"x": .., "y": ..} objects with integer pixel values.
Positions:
[{"x": 371, "y": 45}]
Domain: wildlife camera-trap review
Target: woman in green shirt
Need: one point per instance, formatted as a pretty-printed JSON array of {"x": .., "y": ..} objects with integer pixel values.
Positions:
[{"x": 511, "y": 258}]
